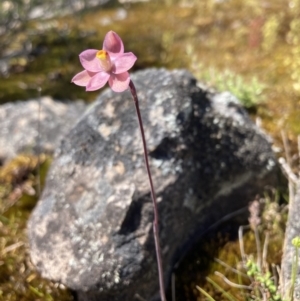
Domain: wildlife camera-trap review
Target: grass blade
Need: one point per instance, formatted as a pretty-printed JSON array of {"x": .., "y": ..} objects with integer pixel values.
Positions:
[
  {"x": 209, "y": 297},
  {"x": 220, "y": 289}
]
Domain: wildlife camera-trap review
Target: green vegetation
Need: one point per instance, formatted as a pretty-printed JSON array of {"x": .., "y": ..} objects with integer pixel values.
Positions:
[
  {"x": 238, "y": 268},
  {"x": 249, "y": 93},
  {"x": 262, "y": 284}
]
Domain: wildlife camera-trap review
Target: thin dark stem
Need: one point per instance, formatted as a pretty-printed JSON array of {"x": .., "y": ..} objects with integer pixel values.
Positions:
[
  {"x": 39, "y": 148},
  {"x": 155, "y": 222}
]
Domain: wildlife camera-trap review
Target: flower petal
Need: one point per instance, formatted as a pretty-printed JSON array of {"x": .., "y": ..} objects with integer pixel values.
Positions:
[
  {"x": 82, "y": 78},
  {"x": 89, "y": 61},
  {"x": 119, "y": 82},
  {"x": 124, "y": 62},
  {"x": 113, "y": 44},
  {"x": 97, "y": 81}
]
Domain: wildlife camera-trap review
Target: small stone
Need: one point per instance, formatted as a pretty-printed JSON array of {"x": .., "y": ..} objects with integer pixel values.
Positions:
[{"x": 35, "y": 127}]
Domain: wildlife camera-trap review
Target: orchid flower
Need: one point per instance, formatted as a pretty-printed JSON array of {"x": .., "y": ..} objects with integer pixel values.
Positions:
[
  {"x": 107, "y": 65},
  {"x": 111, "y": 65}
]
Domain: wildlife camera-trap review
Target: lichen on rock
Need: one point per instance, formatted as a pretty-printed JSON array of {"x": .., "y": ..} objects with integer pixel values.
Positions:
[{"x": 92, "y": 228}]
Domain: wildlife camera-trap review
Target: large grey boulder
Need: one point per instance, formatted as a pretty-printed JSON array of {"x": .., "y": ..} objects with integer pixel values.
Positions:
[
  {"x": 35, "y": 126},
  {"x": 92, "y": 228}
]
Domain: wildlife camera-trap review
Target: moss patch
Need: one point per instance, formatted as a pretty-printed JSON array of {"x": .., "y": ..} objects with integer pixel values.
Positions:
[{"x": 20, "y": 180}]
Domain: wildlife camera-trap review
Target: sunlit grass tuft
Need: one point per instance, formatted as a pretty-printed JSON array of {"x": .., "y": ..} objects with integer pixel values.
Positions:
[
  {"x": 249, "y": 92},
  {"x": 254, "y": 277}
]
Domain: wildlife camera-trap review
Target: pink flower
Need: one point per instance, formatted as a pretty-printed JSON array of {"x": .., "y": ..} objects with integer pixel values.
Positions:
[{"x": 107, "y": 65}]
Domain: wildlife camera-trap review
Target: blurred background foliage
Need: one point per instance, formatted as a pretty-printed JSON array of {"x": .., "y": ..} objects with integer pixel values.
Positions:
[{"x": 249, "y": 47}]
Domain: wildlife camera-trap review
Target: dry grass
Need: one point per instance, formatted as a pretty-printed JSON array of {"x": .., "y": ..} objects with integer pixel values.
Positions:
[{"x": 18, "y": 193}]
